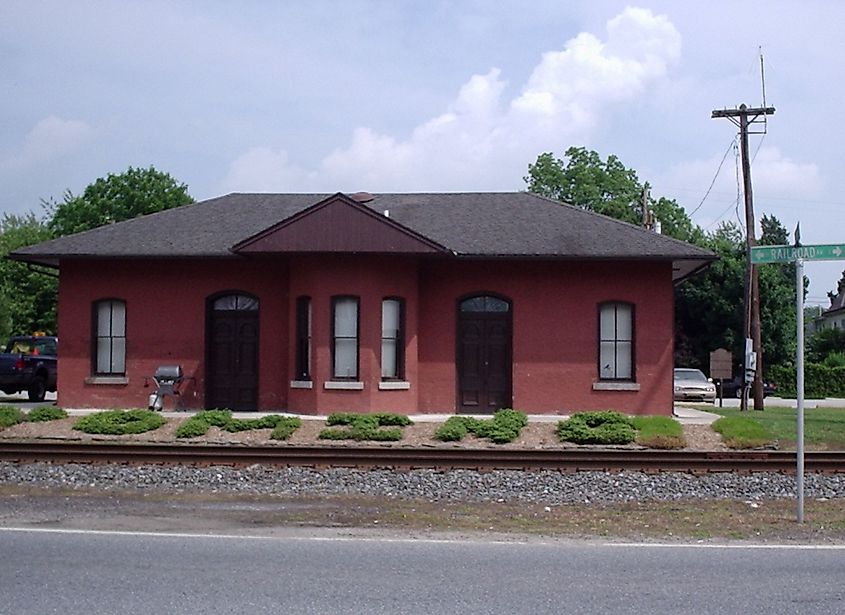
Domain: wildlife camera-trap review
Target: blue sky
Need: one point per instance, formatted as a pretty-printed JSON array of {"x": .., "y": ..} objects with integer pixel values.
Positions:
[{"x": 426, "y": 96}]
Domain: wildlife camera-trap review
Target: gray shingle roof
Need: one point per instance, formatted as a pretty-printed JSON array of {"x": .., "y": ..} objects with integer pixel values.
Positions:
[{"x": 484, "y": 224}]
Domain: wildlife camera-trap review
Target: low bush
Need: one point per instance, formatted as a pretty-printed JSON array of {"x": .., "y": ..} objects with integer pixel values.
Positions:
[
  {"x": 120, "y": 422},
  {"x": 199, "y": 424},
  {"x": 604, "y": 427},
  {"x": 45, "y": 413},
  {"x": 9, "y": 415},
  {"x": 504, "y": 427},
  {"x": 285, "y": 427},
  {"x": 658, "y": 432},
  {"x": 743, "y": 432},
  {"x": 453, "y": 430},
  {"x": 378, "y": 427}
]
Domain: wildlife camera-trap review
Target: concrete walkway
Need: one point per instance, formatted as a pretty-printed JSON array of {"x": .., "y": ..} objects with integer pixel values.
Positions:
[{"x": 692, "y": 416}]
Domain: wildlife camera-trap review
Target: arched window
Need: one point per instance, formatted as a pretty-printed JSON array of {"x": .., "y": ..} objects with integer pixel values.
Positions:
[
  {"x": 235, "y": 302},
  {"x": 109, "y": 337},
  {"x": 485, "y": 303},
  {"x": 616, "y": 341}
]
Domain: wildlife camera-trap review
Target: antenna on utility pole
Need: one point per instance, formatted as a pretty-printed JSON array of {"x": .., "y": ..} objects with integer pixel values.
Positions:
[{"x": 743, "y": 118}]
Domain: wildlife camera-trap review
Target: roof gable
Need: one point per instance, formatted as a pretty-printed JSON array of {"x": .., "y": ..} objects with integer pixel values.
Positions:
[{"x": 338, "y": 224}]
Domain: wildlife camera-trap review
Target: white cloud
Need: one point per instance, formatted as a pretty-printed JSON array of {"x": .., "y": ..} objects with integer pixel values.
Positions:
[
  {"x": 777, "y": 175},
  {"x": 482, "y": 141},
  {"x": 50, "y": 138},
  {"x": 262, "y": 169}
]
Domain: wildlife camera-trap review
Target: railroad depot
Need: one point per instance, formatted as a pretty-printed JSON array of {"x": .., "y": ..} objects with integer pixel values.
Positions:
[{"x": 408, "y": 303}]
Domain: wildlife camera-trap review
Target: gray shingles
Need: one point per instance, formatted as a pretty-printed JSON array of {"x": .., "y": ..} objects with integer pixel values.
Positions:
[{"x": 515, "y": 224}]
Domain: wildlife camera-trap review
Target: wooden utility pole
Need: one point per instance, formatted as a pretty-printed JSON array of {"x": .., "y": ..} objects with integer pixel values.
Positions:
[{"x": 743, "y": 117}]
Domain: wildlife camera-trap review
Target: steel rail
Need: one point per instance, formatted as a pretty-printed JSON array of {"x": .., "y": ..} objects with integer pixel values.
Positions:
[{"x": 441, "y": 458}]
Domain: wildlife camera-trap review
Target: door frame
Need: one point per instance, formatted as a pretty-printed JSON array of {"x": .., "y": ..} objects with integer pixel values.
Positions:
[
  {"x": 458, "y": 347},
  {"x": 209, "y": 331}
]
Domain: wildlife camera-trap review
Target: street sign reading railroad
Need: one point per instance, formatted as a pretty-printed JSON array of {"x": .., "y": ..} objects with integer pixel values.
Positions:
[{"x": 790, "y": 254}]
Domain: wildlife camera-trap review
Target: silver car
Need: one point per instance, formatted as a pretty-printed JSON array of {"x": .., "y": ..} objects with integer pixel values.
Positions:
[{"x": 693, "y": 385}]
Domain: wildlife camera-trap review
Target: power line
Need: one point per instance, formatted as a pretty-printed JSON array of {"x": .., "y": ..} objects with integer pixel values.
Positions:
[{"x": 715, "y": 177}]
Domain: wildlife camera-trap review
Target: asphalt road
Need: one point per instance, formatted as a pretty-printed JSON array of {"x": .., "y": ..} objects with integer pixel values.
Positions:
[{"x": 57, "y": 571}]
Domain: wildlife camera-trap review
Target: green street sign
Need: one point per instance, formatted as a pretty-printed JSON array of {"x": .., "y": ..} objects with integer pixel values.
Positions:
[{"x": 790, "y": 254}]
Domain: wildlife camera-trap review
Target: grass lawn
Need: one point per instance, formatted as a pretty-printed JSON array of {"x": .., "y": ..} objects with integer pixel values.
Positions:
[{"x": 824, "y": 428}]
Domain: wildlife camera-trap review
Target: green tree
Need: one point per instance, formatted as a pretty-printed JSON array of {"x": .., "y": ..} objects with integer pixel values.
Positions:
[
  {"x": 27, "y": 295},
  {"x": 709, "y": 305},
  {"x": 115, "y": 198},
  {"x": 606, "y": 187}
]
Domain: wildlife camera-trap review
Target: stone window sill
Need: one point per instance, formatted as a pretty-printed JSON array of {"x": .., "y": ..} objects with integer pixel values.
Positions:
[
  {"x": 616, "y": 386},
  {"x": 112, "y": 380},
  {"x": 394, "y": 385},
  {"x": 301, "y": 384},
  {"x": 343, "y": 385}
]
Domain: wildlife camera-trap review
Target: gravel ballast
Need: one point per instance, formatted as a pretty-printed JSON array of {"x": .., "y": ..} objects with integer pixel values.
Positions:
[{"x": 546, "y": 487}]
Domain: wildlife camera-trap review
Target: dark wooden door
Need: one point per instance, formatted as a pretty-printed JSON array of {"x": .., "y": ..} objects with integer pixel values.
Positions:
[
  {"x": 484, "y": 359},
  {"x": 232, "y": 374}
]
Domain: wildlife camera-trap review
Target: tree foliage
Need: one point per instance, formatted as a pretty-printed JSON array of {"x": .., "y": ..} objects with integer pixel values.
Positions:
[
  {"x": 606, "y": 187},
  {"x": 27, "y": 296},
  {"x": 709, "y": 305},
  {"x": 115, "y": 198}
]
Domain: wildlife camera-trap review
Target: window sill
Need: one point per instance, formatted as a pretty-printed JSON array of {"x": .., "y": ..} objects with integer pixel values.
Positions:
[
  {"x": 301, "y": 384},
  {"x": 394, "y": 385},
  {"x": 343, "y": 385},
  {"x": 616, "y": 386},
  {"x": 113, "y": 380}
]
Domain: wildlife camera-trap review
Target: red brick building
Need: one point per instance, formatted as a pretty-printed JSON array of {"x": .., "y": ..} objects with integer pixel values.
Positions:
[{"x": 410, "y": 303}]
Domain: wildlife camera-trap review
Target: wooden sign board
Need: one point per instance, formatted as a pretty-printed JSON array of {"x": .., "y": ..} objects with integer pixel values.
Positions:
[{"x": 721, "y": 362}]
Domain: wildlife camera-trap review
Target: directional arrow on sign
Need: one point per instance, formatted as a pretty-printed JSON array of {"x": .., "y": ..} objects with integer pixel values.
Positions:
[{"x": 790, "y": 254}]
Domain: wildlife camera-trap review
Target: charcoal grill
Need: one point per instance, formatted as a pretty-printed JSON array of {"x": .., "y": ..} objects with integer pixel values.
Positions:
[{"x": 167, "y": 379}]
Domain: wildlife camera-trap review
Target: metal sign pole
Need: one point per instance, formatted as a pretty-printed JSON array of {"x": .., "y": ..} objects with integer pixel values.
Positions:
[{"x": 799, "y": 384}]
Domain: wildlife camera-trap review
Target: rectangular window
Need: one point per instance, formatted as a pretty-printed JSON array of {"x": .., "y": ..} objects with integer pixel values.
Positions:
[
  {"x": 616, "y": 341},
  {"x": 392, "y": 339},
  {"x": 303, "y": 338},
  {"x": 345, "y": 338},
  {"x": 110, "y": 337}
]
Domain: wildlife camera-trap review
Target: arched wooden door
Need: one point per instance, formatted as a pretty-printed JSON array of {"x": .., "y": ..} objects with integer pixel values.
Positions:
[
  {"x": 484, "y": 354},
  {"x": 232, "y": 353}
]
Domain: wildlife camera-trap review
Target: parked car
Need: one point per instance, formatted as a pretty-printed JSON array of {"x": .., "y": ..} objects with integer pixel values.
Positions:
[
  {"x": 692, "y": 385},
  {"x": 29, "y": 364},
  {"x": 733, "y": 387}
]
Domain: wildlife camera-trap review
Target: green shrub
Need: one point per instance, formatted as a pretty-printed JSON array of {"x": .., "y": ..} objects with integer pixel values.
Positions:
[
  {"x": 192, "y": 428},
  {"x": 348, "y": 426},
  {"x": 199, "y": 424},
  {"x": 46, "y": 413},
  {"x": 453, "y": 430},
  {"x": 9, "y": 415},
  {"x": 265, "y": 422},
  {"x": 743, "y": 432},
  {"x": 215, "y": 418},
  {"x": 605, "y": 427},
  {"x": 285, "y": 427},
  {"x": 504, "y": 427},
  {"x": 658, "y": 432},
  {"x": 120, "y": 422},
  {"x": 820, "y": 380}
]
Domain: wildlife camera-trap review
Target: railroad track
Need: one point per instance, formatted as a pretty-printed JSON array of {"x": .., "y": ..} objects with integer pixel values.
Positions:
[{"x": 403, "y": 458}]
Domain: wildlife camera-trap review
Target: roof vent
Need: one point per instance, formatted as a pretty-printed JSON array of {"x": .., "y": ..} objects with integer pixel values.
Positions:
[
  {"x": 386, "y": 213},
  {"x": 361, "y": 197}
]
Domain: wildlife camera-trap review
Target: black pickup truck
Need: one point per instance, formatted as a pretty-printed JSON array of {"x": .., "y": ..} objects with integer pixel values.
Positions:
[{"x": 29, "y": 364}]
